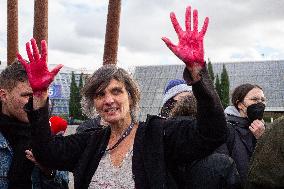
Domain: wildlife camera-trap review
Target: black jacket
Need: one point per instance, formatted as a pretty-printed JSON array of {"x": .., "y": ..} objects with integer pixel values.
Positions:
[
  {"x": 89, "y": 124},
  {"x": 159, "y": 144},
  {"x": 18, "y": 135},
  {"x": 240, "y": 144}
]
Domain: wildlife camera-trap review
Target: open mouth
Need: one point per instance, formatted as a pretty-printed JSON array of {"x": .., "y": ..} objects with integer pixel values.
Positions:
[{"x": 111, "y": 110}]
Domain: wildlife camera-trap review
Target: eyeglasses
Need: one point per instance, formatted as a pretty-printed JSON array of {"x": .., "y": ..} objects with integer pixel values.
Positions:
[{"x": 256, "y": 99}]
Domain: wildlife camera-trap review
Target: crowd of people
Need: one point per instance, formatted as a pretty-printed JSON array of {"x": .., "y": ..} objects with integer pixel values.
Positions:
[{"x": 192, "y": 143}]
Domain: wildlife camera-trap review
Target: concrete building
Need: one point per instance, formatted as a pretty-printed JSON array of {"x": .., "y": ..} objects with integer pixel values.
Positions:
[
  {"x": 59, "y": 90},
  {"x": 268, "y": 74}
]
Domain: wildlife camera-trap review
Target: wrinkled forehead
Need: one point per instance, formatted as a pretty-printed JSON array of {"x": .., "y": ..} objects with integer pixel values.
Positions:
[{"x": 112, "y": 83}]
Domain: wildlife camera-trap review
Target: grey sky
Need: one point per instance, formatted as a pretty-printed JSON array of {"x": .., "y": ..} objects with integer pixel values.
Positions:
[{"x": 238, "y": 30}]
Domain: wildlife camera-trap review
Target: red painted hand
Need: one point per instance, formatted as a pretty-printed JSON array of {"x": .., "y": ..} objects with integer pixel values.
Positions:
[
  {"x": 37, "y": 71},
  {"x": 190, "y": 47}
]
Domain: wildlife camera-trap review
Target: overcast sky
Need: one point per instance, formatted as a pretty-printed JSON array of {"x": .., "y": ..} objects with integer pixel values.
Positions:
[{"x": 239, "y": 30}]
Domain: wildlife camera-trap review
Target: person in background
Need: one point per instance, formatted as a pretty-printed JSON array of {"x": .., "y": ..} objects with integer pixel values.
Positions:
[
  {"x": 184, "y": 107},
  {"x": 15, "y": 130},
  {"x": 266, "y": 170},
  {"x": 15, "y": 90},
  {"x": 91, "y": 124},
  {"x": 59, "y": 179},
  {"x": 246, "y": 125},
  {"x": 218, "y": 170},
  {"x": 174, "y": 91}
]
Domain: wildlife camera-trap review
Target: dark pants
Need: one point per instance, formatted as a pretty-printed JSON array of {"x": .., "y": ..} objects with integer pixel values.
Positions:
[{"x": 60, "y": 180}]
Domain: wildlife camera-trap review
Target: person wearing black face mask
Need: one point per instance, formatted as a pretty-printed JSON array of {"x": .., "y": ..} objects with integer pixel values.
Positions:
[
  {"x": 246, "y": 125},
  {"x": 255, "y": 111}
]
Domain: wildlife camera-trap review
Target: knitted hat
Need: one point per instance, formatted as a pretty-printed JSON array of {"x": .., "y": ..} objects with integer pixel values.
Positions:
[
  {"x": 175, "y": 87},
  {"x": 57, "y": 124}
]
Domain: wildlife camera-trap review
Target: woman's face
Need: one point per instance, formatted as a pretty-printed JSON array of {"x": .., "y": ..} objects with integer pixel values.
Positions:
[
  {"x": 113, "y": 104},
  {"x": 254, "y": 96}
]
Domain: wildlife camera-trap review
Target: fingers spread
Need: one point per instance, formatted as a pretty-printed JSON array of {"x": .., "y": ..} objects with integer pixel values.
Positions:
[
  {"x": 188, "y": 18},
  {"x": 29, "y": 52},
  {"x": 169, "y": 43},
  {"x": 43, "y": 51},
  {"x": 24, "y": 63},
  {"x": 21, "y": 60},
  {"x": 204, "y": 27},
  {"x": 35, "y": 50},
  {"x": 55, "y": 70},
  {"x": 176, "y": 24},
  {"x": 195, "y": 21}
]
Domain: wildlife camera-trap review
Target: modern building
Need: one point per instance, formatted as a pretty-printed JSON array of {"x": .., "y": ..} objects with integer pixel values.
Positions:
[
  {"x": 59, "y": 90},
  {"x": 268, "y": 74}
]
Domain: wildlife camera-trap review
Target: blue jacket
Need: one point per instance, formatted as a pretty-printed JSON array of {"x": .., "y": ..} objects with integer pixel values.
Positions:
[{"x": 6, "y": 156}]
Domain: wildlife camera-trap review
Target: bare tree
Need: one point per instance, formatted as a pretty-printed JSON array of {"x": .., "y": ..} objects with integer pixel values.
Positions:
[
  {"x": 40, "y": 30},
  {"x": 112, "y": 32},
  {"x": 12, "y": 30}
]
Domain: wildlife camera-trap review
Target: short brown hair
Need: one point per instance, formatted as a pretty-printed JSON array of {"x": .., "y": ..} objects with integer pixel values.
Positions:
[
  {"x": 240, "y": 93},
  {"x": 101, "y": 79},
  {"x": 13, "y": 74}
]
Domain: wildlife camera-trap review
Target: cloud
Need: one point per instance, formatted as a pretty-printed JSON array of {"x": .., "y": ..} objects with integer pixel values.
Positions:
[{"x": 238, "y": 30}]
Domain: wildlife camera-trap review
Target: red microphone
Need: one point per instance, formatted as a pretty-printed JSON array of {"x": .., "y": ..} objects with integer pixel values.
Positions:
[{"x": 57, "y": 125}]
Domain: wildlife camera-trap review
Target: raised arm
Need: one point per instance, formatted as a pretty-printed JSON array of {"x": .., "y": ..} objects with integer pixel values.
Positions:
[
  {"x": 190, "y": 46},
  {"x": 49, "y": 151},
  {"x": 190, "y": 140},
  {"x": 39, "y": 76}
]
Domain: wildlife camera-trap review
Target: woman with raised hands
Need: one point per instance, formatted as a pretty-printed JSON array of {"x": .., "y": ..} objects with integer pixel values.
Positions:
[{"x": 129, "y": 154}]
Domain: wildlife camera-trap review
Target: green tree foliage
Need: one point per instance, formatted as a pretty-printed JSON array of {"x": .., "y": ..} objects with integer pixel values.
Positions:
[
  {"x": 225, "y": 87},
  {"x": 81, "y": 83},
  {"x": 74, "y": 101},
  {"x": 218, "y": 85},
  {"x": 210, "y": 70}
]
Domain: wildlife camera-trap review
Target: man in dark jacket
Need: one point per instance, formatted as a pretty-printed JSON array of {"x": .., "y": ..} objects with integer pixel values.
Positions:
[{"x": 15, "y": 131}]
